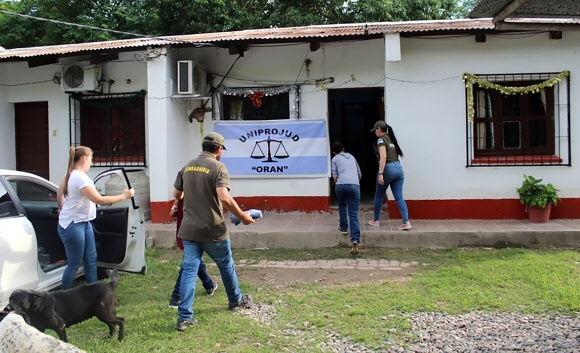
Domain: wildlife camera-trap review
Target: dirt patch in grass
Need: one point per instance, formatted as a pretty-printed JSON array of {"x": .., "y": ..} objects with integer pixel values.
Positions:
[{"x": 286, "y": 277}]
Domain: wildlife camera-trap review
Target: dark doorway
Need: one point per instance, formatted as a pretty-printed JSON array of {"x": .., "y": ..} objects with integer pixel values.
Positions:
[
  {"x": 352, "y": 113},
  {"x": 31, "y": 135}
]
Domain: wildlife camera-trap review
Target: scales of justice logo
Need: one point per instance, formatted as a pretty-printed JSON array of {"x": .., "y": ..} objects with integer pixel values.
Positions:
[{"x": 269, "y": 148}]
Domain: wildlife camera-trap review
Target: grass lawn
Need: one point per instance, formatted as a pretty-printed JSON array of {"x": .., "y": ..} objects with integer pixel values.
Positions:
[{"x": 299, "y": 317}]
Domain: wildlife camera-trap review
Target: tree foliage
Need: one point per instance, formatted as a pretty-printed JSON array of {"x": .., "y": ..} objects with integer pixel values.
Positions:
[{"x": 165, "y": 17}]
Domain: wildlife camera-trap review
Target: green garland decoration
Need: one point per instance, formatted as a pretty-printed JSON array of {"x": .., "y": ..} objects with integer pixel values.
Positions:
[{"x": 471, "y": 79}]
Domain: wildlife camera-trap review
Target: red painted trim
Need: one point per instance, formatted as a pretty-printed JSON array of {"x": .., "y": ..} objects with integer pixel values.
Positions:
[
  {"x": 461, "y": 209},
  {"x": 132, "y": 159},
  {"x": 418, "y": 209},
  {"x": 308, "y": 204},
  {"x": 160, "y": 212},
  {"x": 517, "y": 159},
  {"x": 479, "y": 209}
]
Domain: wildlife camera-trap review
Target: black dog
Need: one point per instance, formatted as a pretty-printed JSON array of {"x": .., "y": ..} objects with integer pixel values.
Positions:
[{"x": 64, "y": 308}]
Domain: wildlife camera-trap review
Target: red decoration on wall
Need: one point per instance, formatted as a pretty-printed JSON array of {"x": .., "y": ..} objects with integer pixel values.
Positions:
[{"x": 256, "y": 98}]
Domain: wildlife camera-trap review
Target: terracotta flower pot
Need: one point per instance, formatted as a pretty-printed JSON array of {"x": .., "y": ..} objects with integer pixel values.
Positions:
[{"x": 539, "y": 215}]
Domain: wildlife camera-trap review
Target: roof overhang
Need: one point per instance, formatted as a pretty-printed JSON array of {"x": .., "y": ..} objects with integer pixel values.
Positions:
[
  {"x": 97, "y": 52},
  {"x": 309, "y": 34},
  {"x": 539, "y": 24},
  {"x": 503, "y": 9}
]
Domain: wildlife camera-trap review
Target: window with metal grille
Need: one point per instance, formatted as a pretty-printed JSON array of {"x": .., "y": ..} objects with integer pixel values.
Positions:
[
  {"x": 260, "y": 103},
  {"x": 242, "y": 108},
  {"x": 112, "y": 125},
  {"x": 514, "y": 129}
]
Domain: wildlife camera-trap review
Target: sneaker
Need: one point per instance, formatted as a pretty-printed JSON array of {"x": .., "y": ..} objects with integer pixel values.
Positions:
[
  {"x": 354, "y": 249},
  {"x": 243, "y": 303},
  {"x": 173, "y": 303},
  {"x": 211, "y": 291},
  {"x": 183, "y": 325},
  {"x": 374, "y": 223},
  {"x": 405, "y": 226},
  {"x": 342, "y": 231}
]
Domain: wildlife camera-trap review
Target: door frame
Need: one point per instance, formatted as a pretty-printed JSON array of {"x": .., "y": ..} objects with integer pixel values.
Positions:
[{"x": 355, "y": 110}]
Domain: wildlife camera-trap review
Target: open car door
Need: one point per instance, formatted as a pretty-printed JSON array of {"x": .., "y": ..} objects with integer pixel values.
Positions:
[
  {"x": 120, "y": 227},
  {"x": 18, "y": 248}
]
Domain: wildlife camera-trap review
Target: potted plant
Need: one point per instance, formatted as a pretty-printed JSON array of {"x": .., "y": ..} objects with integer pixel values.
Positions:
[{"x": 538, "y": 198}]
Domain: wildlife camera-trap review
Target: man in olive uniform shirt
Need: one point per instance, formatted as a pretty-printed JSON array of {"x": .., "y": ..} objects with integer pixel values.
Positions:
[{"x": 204, "y": 184}]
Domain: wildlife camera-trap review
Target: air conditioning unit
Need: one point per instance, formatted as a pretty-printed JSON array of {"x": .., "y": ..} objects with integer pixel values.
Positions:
[
  {"x": 191, "y": 78},
  {"x": 77, "y": 77}
]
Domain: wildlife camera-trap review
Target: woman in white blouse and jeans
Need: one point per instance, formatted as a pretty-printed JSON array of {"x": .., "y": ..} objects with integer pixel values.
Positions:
[{"x": 77, "y": 197}]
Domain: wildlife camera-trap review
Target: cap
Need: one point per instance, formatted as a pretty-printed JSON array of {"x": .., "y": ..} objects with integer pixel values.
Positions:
[
  {"x": 382, "y": 124},
  {"x": 215, "y": 138}
]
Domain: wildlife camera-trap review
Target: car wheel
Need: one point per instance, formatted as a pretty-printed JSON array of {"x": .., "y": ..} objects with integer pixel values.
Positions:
[{"x": 103, "y": 273}]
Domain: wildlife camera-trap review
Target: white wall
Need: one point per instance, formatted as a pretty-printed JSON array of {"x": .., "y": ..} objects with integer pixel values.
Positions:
[
  {"x": 425, "y": 104},
  {"x": 279, "y": 65},
  {"x": 172, "y": 139},
  {"x": 36, "y": 84},
  {"x": 8, "y": 155}
]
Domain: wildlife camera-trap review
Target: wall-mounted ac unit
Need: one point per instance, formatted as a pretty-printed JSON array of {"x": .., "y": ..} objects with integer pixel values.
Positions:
[
  {"x": 78, "y": 77},
  {"x": 191, "y": 78}
]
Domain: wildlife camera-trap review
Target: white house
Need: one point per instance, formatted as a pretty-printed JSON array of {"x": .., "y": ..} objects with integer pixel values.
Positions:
[{"x": 281, "y": 96}]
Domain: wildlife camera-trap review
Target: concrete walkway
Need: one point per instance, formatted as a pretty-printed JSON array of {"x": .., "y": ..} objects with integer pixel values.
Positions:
[
  {"x": 303, "y": 231},
  {"x": 340, "y": 264}
]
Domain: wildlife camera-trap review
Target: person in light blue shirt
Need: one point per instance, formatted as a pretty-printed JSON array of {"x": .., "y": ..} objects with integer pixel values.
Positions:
[{"x": 346, "y": 173}]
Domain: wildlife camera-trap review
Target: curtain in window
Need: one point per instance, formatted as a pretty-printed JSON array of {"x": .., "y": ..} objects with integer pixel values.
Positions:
[
  {"x": 485, "y": 132},
  {"x": 236, "y": 110}
]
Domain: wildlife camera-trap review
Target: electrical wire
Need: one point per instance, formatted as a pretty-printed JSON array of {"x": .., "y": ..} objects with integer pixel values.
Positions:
[
  {"x": 303, "y": 63},
  {"x": 24, "y": 84},
  {"x": 73, "y": 24},
  {"x": 231, "y": 67},
  {"x": 261, "y": 82},
  {"x": 198, "y": 45},
  {"x": 214, "y": 89}
]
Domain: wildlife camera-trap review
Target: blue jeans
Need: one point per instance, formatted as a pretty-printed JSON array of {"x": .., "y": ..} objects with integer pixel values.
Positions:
[
  {"x": 394, "y": 177},
  {"x": 79, "y": 243},
  {"x": 221, "y": 253},
  {"x": 201, "y": 273},
  {"x": 348, "y": 196}
]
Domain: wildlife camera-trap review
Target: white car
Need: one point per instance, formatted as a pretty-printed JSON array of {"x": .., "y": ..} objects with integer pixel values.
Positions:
[{"x": 32, "y": 255}]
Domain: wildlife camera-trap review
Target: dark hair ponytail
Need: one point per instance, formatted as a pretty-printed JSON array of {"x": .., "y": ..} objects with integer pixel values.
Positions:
[
  {"x": 393, "y": 139},
  {"x": 74, "y": 155}
]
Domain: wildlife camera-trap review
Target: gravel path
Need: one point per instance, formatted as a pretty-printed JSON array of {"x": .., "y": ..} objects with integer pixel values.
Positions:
[
  {"x": 443, "y": 333},
  {"x": 493, "y": 332}
]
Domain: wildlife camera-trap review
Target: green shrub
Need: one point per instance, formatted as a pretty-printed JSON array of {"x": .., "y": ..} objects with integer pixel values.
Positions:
[{"x": 535, "y": 194}]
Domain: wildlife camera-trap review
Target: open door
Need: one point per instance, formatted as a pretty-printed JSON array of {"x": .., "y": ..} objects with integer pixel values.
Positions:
[
  {"x": 119, "y": 228},
  {"x": 352, "y": 113}
]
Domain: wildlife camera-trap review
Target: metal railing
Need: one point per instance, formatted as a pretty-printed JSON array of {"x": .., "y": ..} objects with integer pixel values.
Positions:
[{"x": 483, "y": 134}]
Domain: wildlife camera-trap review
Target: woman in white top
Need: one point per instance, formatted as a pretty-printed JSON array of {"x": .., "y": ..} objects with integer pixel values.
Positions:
[{"x": 77, "y": 197}]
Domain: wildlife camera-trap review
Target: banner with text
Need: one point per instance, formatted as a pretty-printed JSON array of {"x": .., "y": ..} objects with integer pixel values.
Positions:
[{"x": 279, "y": 148}]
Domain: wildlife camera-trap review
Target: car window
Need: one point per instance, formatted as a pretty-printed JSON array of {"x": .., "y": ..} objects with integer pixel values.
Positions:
[
  {"x": 7, "y": 208},
  {"x": 30, "y": 191}
]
